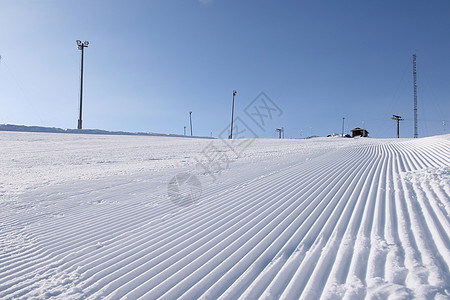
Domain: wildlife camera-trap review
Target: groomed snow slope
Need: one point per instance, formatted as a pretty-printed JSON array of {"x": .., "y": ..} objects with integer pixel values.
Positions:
[{"x": 90, "y": 217}]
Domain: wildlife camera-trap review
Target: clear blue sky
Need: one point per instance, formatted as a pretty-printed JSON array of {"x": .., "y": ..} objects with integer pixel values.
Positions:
[{"x": 151, "y": 62}]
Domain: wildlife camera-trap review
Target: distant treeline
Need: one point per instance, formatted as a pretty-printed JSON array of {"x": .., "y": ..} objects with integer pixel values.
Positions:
[{"x": 24, "y": 128}]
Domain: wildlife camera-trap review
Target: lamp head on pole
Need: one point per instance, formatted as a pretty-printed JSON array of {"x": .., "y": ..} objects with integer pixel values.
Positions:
[
  {"x": 81, "y": 45},
  {"x": 234, "y": 93}
]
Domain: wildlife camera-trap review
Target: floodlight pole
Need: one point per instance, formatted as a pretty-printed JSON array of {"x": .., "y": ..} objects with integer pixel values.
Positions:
[
  {"x": 80, "y": 125},
  {"x": 81, "y": 47},
  {"x": 232, "y": 115},
  {"x": 190, "y": 120},
  {"x": 343, "y": 118}
]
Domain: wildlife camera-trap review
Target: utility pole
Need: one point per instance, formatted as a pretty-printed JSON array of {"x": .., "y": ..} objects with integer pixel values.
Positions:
[
  {"x": 398, "y": 119},
  {"x": 343, "y": 126},
  {"x": 279, "y": 130},
  {"x": 416, "y": 134},
  {"x": 232, "y": 115},
  {"x": 81, "y": 47},
  {"x": 190, "y": 120}
]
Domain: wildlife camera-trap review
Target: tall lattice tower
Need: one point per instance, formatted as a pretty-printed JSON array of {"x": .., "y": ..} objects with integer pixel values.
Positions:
[{"x": 416, "y": 134}]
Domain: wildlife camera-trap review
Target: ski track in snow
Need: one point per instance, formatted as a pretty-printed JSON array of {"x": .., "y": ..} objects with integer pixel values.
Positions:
[{"x": 310, "y": 219}]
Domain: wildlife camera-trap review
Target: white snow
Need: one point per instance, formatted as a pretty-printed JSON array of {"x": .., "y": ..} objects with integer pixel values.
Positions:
[{"x": 94, "y": 216}]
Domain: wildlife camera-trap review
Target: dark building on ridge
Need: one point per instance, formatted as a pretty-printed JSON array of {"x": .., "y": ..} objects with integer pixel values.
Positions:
[{"x": 359, "y": 132}]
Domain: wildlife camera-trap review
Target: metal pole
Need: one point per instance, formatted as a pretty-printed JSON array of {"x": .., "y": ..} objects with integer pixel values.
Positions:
[
  {"x": 184, "y": 130},
  {"x": 343, "y": 126},
  {"x": 80, "y": 125},
  {"x": 232, "y": 115},
  {"x": 416, "y": 133},
  {"x": 190, "y": 120},
  {"x": 398, "y": 119}
]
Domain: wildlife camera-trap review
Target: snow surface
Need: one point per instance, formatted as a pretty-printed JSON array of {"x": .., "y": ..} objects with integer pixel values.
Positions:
[{"x": 94, "y": 216}]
